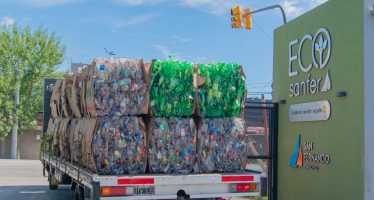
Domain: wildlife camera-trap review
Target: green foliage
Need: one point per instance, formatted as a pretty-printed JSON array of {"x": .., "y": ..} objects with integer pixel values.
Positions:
[{"x": 33, "y": 55}]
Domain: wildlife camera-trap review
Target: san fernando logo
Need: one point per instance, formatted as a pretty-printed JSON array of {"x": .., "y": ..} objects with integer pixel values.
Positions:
[{"x": 297, "y": 157}]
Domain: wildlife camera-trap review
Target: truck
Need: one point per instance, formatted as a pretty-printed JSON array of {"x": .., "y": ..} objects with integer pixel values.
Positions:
[{"x": 90, "y": 186}]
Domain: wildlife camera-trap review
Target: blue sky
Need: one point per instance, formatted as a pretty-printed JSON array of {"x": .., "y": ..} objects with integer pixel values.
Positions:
[{"x": 194, "y": 30}]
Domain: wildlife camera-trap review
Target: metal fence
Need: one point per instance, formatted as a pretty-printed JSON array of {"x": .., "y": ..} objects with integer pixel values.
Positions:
[{"x": 261, "y": 125}]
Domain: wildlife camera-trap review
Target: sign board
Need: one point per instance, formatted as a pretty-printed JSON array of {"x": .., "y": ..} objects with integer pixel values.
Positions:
[
  {"x": 312, "y": 111},
  {"x": 316, "y": 56}
]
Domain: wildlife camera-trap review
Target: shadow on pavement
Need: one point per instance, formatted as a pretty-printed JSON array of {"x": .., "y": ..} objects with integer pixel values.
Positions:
[{"x": 35, "y": 192}]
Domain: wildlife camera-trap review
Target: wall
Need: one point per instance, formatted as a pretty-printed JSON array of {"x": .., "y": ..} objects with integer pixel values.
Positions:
[
  {"x": 369, "y": 96},
  {"x": 342, "y": 135},
  {"x": 28, "y": 145}
]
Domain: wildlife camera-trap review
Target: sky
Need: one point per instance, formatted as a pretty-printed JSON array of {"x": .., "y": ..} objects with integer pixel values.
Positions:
[{"x": 198, "y": 31}]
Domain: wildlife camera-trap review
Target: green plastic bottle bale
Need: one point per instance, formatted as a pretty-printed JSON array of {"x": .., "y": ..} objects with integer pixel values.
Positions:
[
  {"x": 172, "y": 90},
  {"x": 222, "y": 90}
]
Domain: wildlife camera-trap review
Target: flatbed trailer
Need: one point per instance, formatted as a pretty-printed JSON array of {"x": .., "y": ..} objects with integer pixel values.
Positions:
[{"x": 87, "y": 185}]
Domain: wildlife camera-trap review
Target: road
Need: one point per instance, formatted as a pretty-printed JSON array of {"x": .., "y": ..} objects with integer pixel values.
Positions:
[{"x": 23, "y": 179}]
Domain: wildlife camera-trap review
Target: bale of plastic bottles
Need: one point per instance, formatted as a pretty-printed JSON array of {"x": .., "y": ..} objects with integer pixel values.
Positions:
[
  {"x": 172, "y": 145},
  {"x": 119, "y": 146},
  {"x": 222, "y": 145},
  {"x": 117, "y": 87},
  {"x": 221, "y": 90},
  {"x": 172, "y": 92}
]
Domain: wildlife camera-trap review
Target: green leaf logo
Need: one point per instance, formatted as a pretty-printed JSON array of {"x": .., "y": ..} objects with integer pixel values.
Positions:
[{"x": 320, "y": 47}]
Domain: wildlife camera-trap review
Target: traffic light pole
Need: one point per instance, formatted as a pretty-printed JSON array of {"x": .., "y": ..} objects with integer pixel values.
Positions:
[{"x": 270, "y": 8}]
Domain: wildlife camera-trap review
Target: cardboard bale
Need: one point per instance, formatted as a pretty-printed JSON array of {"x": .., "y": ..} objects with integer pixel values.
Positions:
[
  {"x": 63, "y": 137},
  {"x": 66, "y": 111},
  {"x": 71, "y": 130},
  {"x": 56, "y": 100},
  {"x": 88, "y": 132},
  {"x": 73, "y": 98},
  {"x": 76, "y": 145}
]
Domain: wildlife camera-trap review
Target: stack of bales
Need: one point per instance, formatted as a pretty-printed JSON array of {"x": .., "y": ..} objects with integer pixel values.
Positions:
[
  {"x": 172, "y": 131},
  {"x": 195, "y": 114},
  {"x": 98, "y": 124},
  {"x": 118, "y": 96},
  {"x": 222, "y": 142}
]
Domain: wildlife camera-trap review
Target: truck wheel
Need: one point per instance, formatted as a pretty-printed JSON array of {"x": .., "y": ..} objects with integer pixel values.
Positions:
[
  {"x": 53, "y": 182},
  {"x": 78, "y": 193},
  {"x": 65, "y": 179}
]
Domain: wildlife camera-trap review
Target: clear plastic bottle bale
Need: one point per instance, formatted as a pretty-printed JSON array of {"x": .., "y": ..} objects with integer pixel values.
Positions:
[
  {"x": 172, "y": 145},
  {"x": 222, "y": 145},
  {"x": 119, "y": 146},
  {"x": 221, "y": 90},
  {"x": 172, "y": 92},
  {"x": 120, "y": 87}
]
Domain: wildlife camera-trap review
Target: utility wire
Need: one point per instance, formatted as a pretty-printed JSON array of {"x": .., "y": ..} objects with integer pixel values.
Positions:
[{"x": 262, "y": 30}]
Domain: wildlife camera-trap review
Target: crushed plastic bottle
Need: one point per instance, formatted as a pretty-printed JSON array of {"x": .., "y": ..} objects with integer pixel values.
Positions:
[
  {"x": 172, "y": 145},
  {"x": 172, "y": 92},
  {"x": 222, "y": 145},
  {"x": 120, "y": 146},
  {"x": 120, "y": 87},
  {"x": 222, "y": 93}
]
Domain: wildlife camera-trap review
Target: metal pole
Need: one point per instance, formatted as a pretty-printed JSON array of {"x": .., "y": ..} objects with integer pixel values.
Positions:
[
  {"x": 272, "y": 7},
  {"x": 15, "y": 125}
]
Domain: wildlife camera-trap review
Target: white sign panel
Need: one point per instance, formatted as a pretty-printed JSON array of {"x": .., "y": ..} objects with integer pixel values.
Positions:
[{"x": 312, "y": 111}]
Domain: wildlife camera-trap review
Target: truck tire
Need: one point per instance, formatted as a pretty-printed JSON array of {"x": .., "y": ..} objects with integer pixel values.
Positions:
[
  {"x": 78, "y": 193},
  {"x": 65, "y": 179},
  {"x": 53, "y": 182}
]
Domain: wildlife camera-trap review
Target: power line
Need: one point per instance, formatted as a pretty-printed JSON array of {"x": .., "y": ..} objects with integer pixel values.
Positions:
[{"x": 262, "y": 30}]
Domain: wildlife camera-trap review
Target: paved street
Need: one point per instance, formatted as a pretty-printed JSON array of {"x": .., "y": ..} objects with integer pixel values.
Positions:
[{"x": 23, "y": 179}]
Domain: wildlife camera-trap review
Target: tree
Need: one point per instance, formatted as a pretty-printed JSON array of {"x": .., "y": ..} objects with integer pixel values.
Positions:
[{"x": 33, "y": 55}]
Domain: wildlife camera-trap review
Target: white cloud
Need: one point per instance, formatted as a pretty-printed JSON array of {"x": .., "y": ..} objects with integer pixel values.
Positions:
[
  {"x": 216, "y": 7},
  {"x": 315, "y": 3},
  {"x": 181, "y": 39},
  {"x": 139, "y": 2},
  {"x": 120, "y": 23},
  {"x": 45, "y": 3},
  {"x": 7, "y": 21},
  {"x": 292, "y": 8},
  {"x": 166, "y": 52}
]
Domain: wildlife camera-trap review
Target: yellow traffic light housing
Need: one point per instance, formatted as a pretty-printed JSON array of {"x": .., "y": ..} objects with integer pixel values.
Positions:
[
  {"x": 248, "y": 18},
  {"x": 237, "y": 17}
]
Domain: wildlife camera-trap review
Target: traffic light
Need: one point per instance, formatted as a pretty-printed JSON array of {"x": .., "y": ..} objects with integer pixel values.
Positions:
[
  {"x": 237, "y": 17},
  {"x": 248, "y": 18}
]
